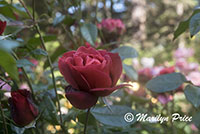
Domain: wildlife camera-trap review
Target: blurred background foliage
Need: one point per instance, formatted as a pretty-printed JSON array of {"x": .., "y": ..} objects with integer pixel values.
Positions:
[{"x": 150, "y": 25}]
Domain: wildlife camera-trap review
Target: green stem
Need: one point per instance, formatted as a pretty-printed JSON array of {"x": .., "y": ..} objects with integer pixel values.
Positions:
[
  {"x": 4, "y": 120},
  {"x": 86, "y": 122},
  {"x": 48, "y": 57}
]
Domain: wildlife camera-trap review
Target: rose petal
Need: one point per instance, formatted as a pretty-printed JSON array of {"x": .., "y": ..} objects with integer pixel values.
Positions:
[
  {"x": 106, "y": 91},
  {"x": 73, "y": 77},
  {"x": 80, "y": 99},
  {"x": 87, "y": 50},
  {"x": 116, "y": 67},
  {"x": 94, "y": 77}
]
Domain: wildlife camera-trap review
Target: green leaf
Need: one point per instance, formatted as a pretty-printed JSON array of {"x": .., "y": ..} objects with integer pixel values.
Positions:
[
  {"x": 34, "y": 42},
  {"x": 130, "y": 72},
  {"x": 114, "y": 118},
  {"x": 196, "y": 119},
  {"x": 39, "y": 52},
  {"x": 24, "y": 62},
  {"x": 192, "y": 94},
  {"x": 126, "y": 52},
  {"x": 89, "y": 33},
  {"x": 184, "y": 25},
  {"x": 194, "y": 24},
  {"x": 50, "y": 113},
  {"x": 68, "y": 21},
  {"x": 6, "y": 10},
  {"x": 8, "y": 45},
  {"x": 8, "y": 63},
  {"x": 165, "y": 83}
]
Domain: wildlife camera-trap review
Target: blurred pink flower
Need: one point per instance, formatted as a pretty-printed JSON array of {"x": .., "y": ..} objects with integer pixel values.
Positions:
[
  {"x": 194, "y": 77},
  {"x": 112, "y": 25},
  {"x": 181, "y": 64},
  {"x": 5, "y": 86},
  {"x": 183, "y": 52},
  {"x": 34, "y": 61},
  {"x": 193, "y": 66},
  {"x": 193, "y": 127},
  {"x": 186, "y": 67},
  {"x": 24, "y": 86},
  {"x": 164, "y": 98}
]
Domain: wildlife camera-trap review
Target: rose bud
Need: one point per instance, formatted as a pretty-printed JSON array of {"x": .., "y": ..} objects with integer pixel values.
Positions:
[
  {"x": 2, "y": 26},
  {"x": 91, "y": 74},
  {"x": 23, "y": 110}
]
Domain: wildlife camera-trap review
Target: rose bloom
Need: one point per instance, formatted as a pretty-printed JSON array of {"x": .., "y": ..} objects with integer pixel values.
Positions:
[
  {"x": 91, "y": 74},
  {"x": 2, "y": 26},
  {"x": 112, "y": 25},
  {"x": 23, "y": 110}
]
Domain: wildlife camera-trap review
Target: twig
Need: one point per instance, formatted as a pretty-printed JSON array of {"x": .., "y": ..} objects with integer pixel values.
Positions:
[
  {"x": 86, "y": 122},
  {"x": 4, "y": 120}
]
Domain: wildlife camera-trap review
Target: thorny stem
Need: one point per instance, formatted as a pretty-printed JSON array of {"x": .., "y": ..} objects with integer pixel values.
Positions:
[
  {"x": 86, "y": 122},
  {"x": 48, "y": 57},
  {"x": 4, "y": 120}
]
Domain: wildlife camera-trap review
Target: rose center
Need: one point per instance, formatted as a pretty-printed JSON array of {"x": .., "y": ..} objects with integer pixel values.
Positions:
[{"x": 91, "y": 60}]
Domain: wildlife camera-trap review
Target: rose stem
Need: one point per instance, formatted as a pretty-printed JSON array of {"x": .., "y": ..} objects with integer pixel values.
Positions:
[
  {"x": 4, "y": 120},
  {"x": 48, "y": 57},
  {"x": 86, "y": 122}
]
